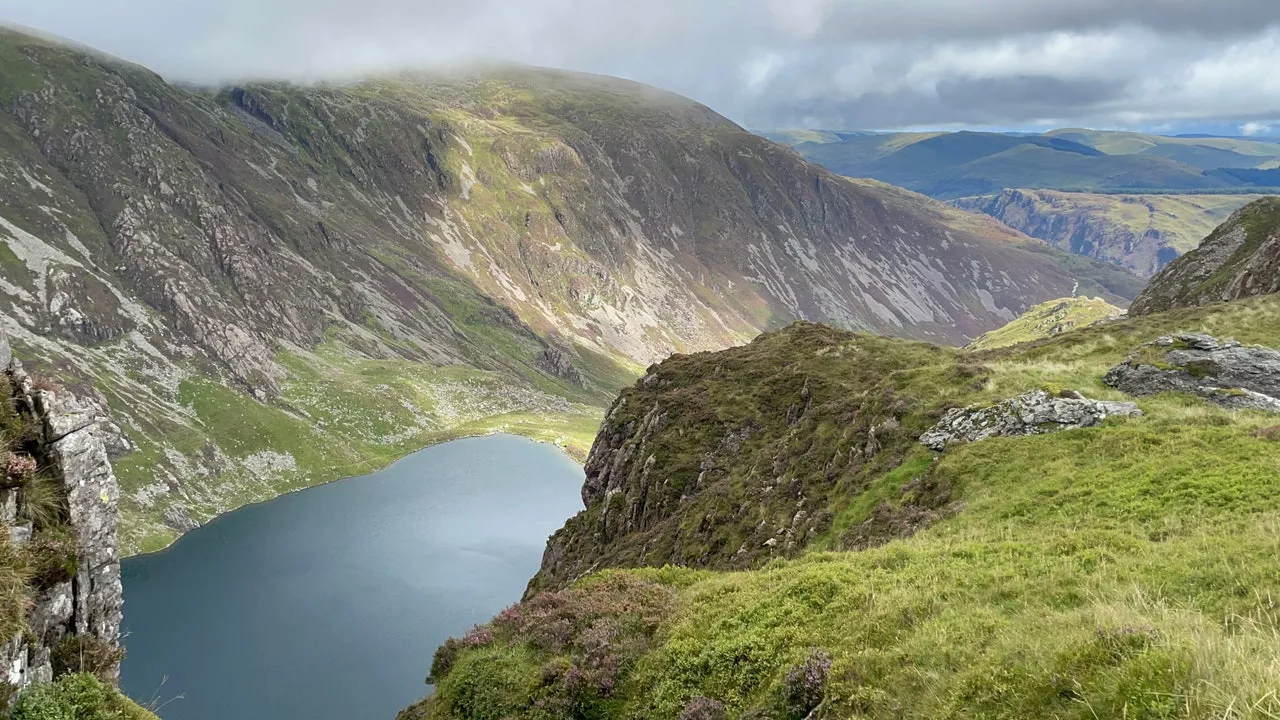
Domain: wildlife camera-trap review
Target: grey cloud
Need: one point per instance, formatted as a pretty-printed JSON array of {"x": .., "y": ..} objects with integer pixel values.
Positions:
[{"x": 768, "y": 63}]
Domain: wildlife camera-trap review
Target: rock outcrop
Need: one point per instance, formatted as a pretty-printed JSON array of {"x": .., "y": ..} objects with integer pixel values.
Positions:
[
  {"x": 557, "y": 362},
  {"x": 1240, "y": 259},
  {"x": 1033, "y": 413},
  {"x": 90, "y": 601},
  {"x": 1221, "y": 371}
]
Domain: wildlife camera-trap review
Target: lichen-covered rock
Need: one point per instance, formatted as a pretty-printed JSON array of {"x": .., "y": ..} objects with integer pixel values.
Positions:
[
  {"x": 1220, "y": 371},
  {"x": 1032, "y": 413}
]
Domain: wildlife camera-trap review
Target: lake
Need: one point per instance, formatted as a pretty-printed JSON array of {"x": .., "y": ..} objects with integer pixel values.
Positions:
[{"x": 328, "y": 604}]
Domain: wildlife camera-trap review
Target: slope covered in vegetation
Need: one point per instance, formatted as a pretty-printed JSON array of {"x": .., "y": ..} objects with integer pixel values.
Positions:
[
  {"x": 1048, "y": 319},
  {"x": 838, "y": 569}
]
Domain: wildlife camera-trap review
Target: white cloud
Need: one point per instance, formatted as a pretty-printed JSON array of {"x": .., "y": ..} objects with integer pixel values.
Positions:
[
  {"x": 1252, "y": 129},
  {"x": 836, "y": 63}
]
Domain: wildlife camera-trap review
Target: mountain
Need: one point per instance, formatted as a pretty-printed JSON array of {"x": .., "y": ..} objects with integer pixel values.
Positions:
[
  {"x": 1133, "y": 199},
  {"x": 1049, "y": 319},
  {"x": 1141, "y": 233},
  {"x": 832, "y": 524},
  {"x": 960, "y": 164},
  {"x": 1240, "y": 259},
  {"x": 272, "y": 285}
]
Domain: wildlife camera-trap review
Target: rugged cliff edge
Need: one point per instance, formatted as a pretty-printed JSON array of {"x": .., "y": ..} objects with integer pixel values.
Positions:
[
  {"x": 825, "y": 524},
  {"x": 1240, "y": 259},
  {"x": 59, "y": 503}
]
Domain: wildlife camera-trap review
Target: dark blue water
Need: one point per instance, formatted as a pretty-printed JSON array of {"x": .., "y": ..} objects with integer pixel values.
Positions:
[{"x": 328, "y": 604}]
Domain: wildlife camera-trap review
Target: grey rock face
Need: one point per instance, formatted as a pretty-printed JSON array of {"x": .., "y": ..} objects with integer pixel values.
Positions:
[
  {"x": 555, "y": 361},
  {"x": 1032, "y": 413},
  {"x": 179, "y": 518},
  {"x": 91, "y": 602},
  {"x": 1222, "y": 372}
]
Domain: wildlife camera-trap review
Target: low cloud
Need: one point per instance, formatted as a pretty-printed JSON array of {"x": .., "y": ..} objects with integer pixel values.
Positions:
[{"x": 766, "y": 63}]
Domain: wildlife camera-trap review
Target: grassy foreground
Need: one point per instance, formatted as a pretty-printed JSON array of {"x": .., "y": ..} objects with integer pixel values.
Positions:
[{"x": 1130, "y": 570}]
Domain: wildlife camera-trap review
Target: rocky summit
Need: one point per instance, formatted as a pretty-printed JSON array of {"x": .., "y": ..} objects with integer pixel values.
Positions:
[{"x": 272, "y": 285}]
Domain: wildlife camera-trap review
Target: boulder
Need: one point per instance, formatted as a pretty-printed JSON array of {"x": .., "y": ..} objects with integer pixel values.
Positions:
[
  {"x": 1033, "y": 413},
  {"x": 1220, "y": 371}
]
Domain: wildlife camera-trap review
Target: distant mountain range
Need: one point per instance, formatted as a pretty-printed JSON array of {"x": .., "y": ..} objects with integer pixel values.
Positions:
[{"x": 964, "y": 164}]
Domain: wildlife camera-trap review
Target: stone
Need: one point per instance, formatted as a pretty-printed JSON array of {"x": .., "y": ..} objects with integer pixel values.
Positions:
[
  {"x": 179, "y": 518},
  {"x": 6, "y": 352},
  {"x": 20, "y": 534},
  {"x": 1033, "y": 413},
  {"x": 93, "y": 496},
  {"x": 556, "y": 362},
  {"x": 1220, "y": 371}
]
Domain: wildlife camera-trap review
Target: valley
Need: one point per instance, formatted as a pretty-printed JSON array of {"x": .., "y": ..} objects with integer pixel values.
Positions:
[{"x": 270, "y": 286}]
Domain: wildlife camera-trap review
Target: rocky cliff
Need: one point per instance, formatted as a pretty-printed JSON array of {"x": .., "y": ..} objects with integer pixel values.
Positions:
[
  {"x": 1142, "y": 233},
  {"x": 59, "y": 504},
  {"x": 1240, "y": 259},
  {"x": 273, "y": 285}
]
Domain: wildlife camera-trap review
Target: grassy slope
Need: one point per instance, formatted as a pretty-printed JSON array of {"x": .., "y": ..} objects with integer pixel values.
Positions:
[
  {"x": 1048, "y": 319},
  {"x": 339, "y": 416},
  {"x": 1127, "y": 570}
]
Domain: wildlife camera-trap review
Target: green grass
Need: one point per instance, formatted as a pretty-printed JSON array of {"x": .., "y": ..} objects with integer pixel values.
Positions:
[
  {"x": 77, "y": 697},
  {"x": 1048, "y": 319},
  {"x": 1128, "y": 570}
]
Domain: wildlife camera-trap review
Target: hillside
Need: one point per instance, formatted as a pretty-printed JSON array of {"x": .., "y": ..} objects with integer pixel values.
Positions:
[
  {"x": 1240, "y": 259},
  {"x": 1048, "y": 319},
  {"x": 1086, "y": 561},
  {"x": 1141, "y": 233},
  {"x": 271, "y": 286}
]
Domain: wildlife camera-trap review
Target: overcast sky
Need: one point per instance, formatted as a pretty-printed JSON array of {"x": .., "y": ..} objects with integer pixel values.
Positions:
[{"x": 834, "y": 64}]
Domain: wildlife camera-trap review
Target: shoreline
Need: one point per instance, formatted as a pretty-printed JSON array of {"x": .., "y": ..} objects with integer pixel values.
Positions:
[{"x": 447, "y": 438}]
